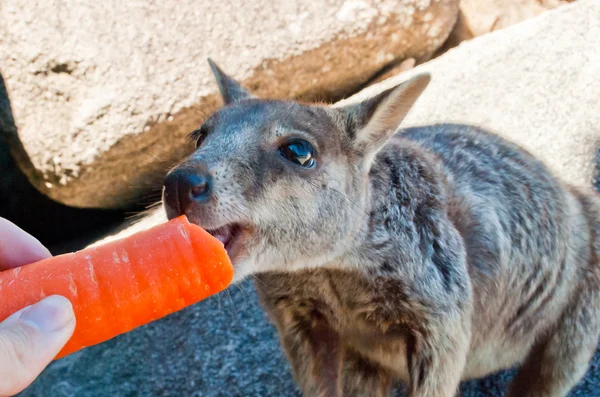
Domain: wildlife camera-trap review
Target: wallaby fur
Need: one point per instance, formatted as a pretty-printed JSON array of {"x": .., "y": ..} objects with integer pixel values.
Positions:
[{"x": 427, "y": 255}]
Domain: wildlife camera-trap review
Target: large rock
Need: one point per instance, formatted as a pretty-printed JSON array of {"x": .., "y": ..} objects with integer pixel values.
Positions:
[
  {"x": 536, "y": 83},
  {"x": 104, "y": 93},
  {"x": 57, "y": 226}
]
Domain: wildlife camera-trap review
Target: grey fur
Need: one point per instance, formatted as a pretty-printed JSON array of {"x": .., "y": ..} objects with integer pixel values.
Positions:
[
  {"x": 231, "y": 91},
  {"x": 430, "y": 255}
]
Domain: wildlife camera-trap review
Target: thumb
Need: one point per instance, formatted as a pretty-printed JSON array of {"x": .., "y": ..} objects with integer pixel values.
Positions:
[{"x": 30, "y": 339}]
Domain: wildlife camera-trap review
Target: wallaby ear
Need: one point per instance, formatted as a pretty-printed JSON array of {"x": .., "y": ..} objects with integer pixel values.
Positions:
[
  {"x": 231, "y": 90},
  {"x": 371, "y": 123}
]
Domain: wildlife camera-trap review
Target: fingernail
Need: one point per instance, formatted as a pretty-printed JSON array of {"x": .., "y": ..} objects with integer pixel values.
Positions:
[{"x": 50, "y": 314}]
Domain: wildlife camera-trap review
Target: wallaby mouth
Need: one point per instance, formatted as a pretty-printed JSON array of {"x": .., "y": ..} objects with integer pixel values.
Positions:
[{"x": 227, "y": 234}]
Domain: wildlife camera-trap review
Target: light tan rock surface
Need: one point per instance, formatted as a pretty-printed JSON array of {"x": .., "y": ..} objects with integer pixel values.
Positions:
[
  {"x": 484, "y": 16},
  {"x": 478, "y": 17},
  {"x": 104, "y": 93},
  {"x": 535, "y": 83}
]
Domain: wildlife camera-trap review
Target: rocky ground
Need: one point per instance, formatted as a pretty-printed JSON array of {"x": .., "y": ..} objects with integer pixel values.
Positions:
[{"x": 223, "y": 346}]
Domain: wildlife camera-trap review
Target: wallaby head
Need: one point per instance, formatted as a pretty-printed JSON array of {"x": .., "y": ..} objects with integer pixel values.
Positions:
[{"x": 284, "y": 185}]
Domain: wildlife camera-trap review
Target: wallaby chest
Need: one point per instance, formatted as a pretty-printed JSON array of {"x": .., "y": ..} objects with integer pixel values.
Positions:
[{"x": 370, "y": 316}]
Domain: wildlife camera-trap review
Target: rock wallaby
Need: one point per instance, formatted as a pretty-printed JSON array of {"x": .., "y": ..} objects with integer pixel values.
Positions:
[{"x": 424, "y": 255}]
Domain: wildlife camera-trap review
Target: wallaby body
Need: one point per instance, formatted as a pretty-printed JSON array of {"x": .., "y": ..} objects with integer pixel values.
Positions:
[
  {"x": 430, "y": 255},
  {"x": 534, "y": 280}
]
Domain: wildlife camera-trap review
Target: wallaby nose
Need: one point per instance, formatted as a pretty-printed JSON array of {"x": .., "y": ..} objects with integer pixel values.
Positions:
[{"x": 184, "y": 188}]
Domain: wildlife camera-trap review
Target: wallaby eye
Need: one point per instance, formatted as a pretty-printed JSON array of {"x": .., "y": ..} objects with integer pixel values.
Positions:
[
  {"x": 299, "y": 152},
  {"x": 199, "y": 135}
]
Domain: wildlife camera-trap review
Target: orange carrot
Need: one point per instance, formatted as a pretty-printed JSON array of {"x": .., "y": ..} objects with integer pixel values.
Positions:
[{"x": 123, "y": 284}]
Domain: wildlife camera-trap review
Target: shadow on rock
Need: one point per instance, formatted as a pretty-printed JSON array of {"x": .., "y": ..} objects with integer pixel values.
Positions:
[{"x": 59, "y": 227}]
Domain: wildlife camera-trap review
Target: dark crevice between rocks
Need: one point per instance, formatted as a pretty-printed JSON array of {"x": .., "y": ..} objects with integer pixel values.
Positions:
[
  {"x": 459, "y": 33},
  {"x": 59, "y": 227},
  {"x": 394, "y": 68}
]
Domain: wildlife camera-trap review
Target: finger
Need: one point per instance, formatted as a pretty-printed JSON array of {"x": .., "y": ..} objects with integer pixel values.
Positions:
[
  {"x": 18, "y": 247},
  {"x": 30, "y": 339}
]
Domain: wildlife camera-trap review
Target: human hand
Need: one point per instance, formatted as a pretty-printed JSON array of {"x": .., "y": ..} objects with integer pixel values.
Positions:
[{"x": 31, "y": 337}]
